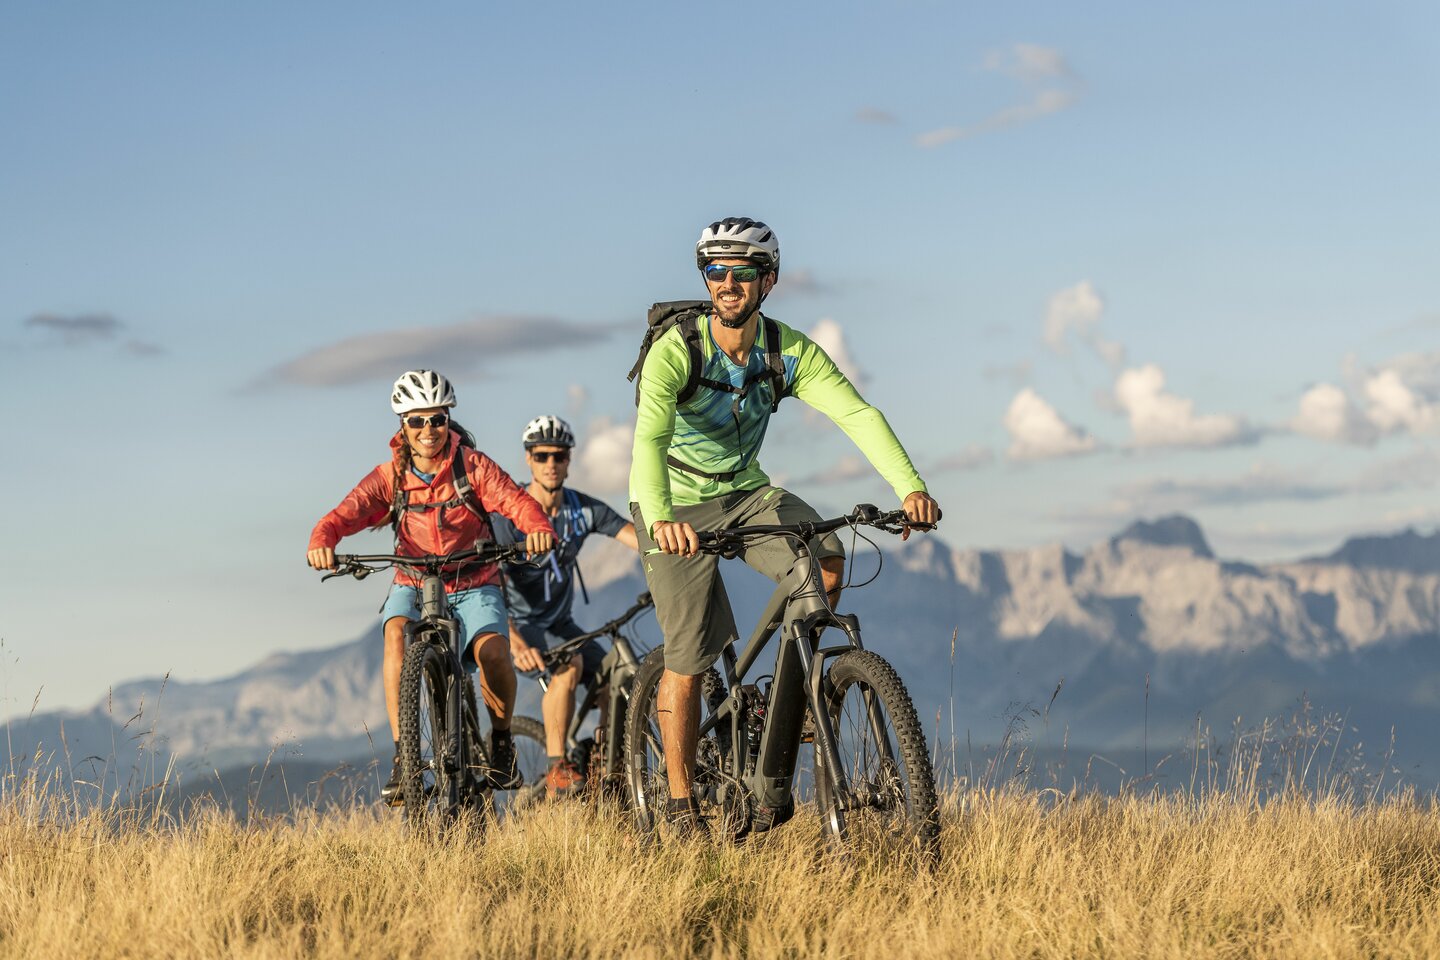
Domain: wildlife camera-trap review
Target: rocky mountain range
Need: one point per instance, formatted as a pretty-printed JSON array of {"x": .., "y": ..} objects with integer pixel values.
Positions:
[{"x": 1133, "y": 644}]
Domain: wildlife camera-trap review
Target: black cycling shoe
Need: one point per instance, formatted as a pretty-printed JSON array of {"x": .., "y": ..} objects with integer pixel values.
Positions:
[
  {"x": 391, "y": 795},
  {"x": 504, "y": 771},
  {"x": 768, "y": 818},
  {"x": 683, "y": 816}
]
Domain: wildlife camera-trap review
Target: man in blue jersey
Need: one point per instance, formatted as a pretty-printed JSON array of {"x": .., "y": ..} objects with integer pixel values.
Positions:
[{"x": 539, "y": 598}]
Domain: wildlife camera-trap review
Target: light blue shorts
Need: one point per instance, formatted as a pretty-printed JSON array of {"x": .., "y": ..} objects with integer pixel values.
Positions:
[{"x": 481, "y": 610}]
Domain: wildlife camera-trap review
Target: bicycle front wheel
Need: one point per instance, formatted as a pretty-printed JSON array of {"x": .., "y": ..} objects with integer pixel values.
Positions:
[
  {"x": 883, "y": 795},
  {"x": 427, "y": 769}
]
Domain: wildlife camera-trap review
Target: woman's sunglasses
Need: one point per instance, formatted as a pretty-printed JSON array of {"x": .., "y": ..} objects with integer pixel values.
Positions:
[{"x": 436, "y": 420}]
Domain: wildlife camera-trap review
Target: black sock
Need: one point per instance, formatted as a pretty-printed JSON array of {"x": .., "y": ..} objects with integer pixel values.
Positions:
[
  {"x": 397, "y": 748},
  {"x": 499, "y": 735}
]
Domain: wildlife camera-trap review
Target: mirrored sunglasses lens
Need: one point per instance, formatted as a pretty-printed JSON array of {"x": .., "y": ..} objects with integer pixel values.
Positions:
[{"x": 716, "y": 273}]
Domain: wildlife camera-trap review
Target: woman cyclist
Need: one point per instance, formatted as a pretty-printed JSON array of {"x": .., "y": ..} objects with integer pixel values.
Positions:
[{"x": 417, "y": 493}]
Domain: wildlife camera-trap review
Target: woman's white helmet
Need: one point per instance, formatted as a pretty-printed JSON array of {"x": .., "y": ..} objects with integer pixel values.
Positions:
[
  {"x": 738, "y": 237},
  {"x": 420, "y": 390},
  {"x": 547, "y": 430}
]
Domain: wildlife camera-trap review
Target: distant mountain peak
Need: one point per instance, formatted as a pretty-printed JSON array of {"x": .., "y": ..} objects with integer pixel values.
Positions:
[
  {"x": 1176, "y": 530},
  {"x": 1406, "y": 550}
]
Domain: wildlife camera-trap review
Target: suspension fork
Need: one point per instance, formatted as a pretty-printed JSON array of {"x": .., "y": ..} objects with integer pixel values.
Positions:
[{"x": 818, "y": 696}]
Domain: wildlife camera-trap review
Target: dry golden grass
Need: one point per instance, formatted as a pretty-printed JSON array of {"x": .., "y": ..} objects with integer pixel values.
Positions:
[{"x": 1022, "y": 875}]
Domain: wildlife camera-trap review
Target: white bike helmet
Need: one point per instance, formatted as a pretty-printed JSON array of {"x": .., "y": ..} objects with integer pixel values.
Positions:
[
  {"x": 419, "y": 390},
  {"x": 738, "y": 237},
  {"x": 547, "y": 430}
]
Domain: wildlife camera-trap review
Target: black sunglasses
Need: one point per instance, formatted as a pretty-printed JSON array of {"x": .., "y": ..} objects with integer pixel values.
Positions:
[
  {"x": 415, "y": 422},
  {"x": 545, "y": 456},
  {"x": 716, "y": 272}
]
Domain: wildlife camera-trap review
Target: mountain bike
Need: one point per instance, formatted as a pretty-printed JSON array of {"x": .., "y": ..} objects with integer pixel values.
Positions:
[
  {"x": 873, "y": 779},
  {"x": 444, "y": 766},
  {"x": 601, "y": 755}
]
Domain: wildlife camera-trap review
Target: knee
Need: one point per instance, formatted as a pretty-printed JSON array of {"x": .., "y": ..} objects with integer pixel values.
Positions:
[
  {"x": 832, "y": 572},
  {"x": 395, "y": 633},
  {"x": 492, "y": 650},
  {"x": 569, "y": 671}
]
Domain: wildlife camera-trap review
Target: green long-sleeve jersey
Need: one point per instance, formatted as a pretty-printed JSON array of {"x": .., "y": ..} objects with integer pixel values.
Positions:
[{"x": 708, "y": 434}]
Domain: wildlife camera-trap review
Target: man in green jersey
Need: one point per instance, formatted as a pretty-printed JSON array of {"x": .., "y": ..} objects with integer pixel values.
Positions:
[{"x": 695, "y": 467}]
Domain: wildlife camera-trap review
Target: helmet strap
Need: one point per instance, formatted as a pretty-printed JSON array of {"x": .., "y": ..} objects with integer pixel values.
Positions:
[{"x": 737, "y": 324}]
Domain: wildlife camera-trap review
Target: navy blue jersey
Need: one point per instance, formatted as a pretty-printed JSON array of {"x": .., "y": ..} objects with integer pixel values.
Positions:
[{"x": 541, "y": 596}]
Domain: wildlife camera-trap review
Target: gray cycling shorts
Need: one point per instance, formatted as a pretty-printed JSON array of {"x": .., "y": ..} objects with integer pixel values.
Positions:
[{"x": 690, "y": 601}]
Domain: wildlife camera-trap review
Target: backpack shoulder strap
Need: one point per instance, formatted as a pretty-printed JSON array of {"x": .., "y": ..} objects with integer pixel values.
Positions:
[
  {"x": 690, "y": 333},
  {"x": 464, "y": 491},
  {"x": 774, "y": 362}
]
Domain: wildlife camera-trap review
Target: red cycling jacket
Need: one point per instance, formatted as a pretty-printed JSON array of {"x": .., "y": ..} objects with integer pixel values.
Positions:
[{"x": 440, "y": 530}]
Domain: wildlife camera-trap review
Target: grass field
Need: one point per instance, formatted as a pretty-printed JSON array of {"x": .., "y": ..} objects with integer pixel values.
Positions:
[{"x": 1023, "y": 874}]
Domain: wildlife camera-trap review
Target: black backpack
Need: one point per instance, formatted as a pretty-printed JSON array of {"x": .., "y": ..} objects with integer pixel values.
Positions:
[{"x": 686, "y": 314}]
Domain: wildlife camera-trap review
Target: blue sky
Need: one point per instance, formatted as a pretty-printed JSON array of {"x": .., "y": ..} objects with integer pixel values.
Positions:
[{"x": 1095, "y": 263}]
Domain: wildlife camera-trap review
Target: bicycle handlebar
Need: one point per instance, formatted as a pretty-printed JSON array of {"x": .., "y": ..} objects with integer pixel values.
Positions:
[
  {"x": 556, "y": 655},
  {"x": 724, "y": 542},
  {"x": 361, "y": 566}
]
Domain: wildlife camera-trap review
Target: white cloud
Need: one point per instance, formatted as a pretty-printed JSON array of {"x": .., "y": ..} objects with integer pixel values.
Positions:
[
  {"x": 602, "y": 461},
  {"x": 1326, "y": 413},
  {"x": 1038, "y": 432},
  {"x": 1043, "y": 70},
  {"x": 875, "y": 115},
  {"x": 458, "y": 347},
  {"x": 1029, "y": 62},
  {"x": 848, "y": 467},
  {"x": 1401, "y": 395},
  {"x": 1077, "y": 310},
  {"x": 971, "y": 457},
  {"x": 1394, "y": 407},
  {"x": 1043, "y": 103},
  {"x": 830, "y": 337},
  {"x": 1161, "y": 419}
]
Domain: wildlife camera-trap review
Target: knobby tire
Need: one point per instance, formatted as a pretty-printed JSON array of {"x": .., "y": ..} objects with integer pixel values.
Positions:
[{"x": 893, "y": 769}]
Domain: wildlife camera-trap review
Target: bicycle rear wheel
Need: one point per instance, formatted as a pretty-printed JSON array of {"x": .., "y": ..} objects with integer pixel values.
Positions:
[
  {"x": 427, "y": 771},
  {"x": 645, "y": 747},
  {"x": 889, "y": 798}
]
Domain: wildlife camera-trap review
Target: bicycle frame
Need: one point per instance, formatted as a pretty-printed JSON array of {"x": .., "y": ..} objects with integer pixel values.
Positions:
[
  {"x": 616, "y": 669},
  {"x": 435, "y": 615},
  {"x": 797, "y": 682}
]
